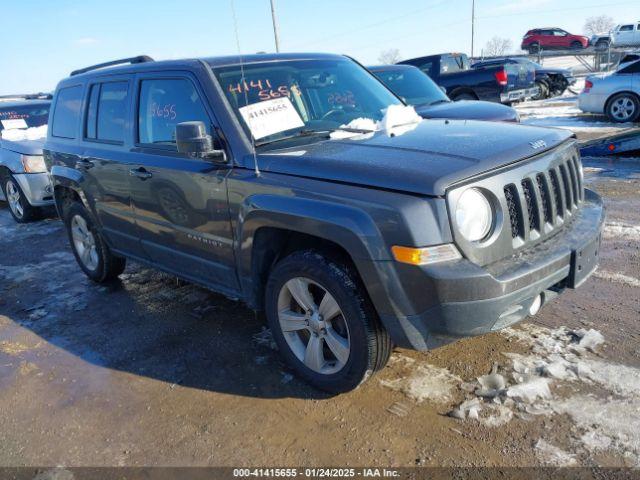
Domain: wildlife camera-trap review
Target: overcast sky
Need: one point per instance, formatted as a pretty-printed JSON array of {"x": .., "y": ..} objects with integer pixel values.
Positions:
[{"x": 43, "y": 40}]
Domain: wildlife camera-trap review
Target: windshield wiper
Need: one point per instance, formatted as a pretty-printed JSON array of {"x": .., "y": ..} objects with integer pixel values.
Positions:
[
  {"x": 298, "y": 134},
  {"x": 312, "y": 133},
  {"x": 438, "y": 102}
]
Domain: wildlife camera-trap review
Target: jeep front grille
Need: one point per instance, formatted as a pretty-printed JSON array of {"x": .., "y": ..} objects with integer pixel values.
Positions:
[
  {"x": 533, "y": 200},
  {"x": 545, "y": 200}
]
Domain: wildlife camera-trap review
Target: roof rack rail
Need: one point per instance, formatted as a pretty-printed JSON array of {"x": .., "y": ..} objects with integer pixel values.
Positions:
[
  {"x": 28, "y": 96},
  {"x": 124, "y": 61}
]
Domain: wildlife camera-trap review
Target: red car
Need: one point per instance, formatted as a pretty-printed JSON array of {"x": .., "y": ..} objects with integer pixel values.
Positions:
[{"x": 552, "y": 39}]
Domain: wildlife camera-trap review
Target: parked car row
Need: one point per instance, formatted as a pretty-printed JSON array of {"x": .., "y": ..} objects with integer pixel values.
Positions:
[
  {"x": 303, "y": 186},
  {"x": 623, "y": 35}
]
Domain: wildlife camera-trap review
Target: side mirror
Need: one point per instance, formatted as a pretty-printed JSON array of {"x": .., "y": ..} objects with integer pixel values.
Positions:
[
  {"x": 192, "y": 138},
  {"x": 444, "y": 90}
]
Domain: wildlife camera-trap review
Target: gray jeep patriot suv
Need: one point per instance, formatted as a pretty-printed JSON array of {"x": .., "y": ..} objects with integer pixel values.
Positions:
[{"x": 300, "y": 184}]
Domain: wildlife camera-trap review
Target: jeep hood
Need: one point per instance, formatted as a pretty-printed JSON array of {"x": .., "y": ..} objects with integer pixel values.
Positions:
[{"x": 425, "y": 158}]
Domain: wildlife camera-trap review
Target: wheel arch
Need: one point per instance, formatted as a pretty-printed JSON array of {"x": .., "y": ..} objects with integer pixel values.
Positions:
[
  {"x": 273, "y": 226},
  {"x": 461, "y": 91}
]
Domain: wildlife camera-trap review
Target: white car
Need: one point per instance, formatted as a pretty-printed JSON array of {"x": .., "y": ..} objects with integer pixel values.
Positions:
[
  {"x": 626, "y": 35},
  {"x": 615, "y": 94}
]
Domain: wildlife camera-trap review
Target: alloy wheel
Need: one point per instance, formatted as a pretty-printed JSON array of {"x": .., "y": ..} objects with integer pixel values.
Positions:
[
  {"x": 84, "y": 243},
  {"x": 313, "y": 325},
  {"x": 13, "y": 197},
  {"x": 623, "y": 109}
]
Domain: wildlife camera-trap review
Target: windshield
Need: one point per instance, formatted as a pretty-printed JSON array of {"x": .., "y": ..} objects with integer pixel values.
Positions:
[
  {"x": 413, "y": 85},
  {"x": 280, "y": 99},
  {"x": 24, "y": 116}
]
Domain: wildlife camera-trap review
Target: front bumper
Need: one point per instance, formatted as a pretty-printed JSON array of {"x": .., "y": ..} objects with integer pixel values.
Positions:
[
  {"x": 36, "y": 187},
  {"x": 472, "y": 300},
  {"x": 519, "y": 95}
]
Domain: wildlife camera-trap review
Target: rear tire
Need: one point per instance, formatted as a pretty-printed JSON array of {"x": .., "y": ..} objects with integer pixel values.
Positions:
[
  {"x": 19, "y": 207},
  {"x": 338, "y": 351},
  {"x": 534, "y": 48},
  {"x": 623, "y": 108},
  {"x": 91, "y": 251}
]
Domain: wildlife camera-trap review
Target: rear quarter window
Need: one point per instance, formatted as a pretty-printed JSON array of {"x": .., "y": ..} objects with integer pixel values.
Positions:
[{"x": 67, "y": 112}]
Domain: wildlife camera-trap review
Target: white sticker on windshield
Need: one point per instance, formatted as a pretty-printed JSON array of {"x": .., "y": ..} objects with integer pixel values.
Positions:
[
  {"x": 271, "y": 116},
  {"x": 14, "y": 123}
]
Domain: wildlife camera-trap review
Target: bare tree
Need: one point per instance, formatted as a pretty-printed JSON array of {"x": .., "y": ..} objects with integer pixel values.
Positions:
[
  {"x": 497, "y": 47},
  {"x": 389, "y": 56},
  {"x": 599, "y": 24}
]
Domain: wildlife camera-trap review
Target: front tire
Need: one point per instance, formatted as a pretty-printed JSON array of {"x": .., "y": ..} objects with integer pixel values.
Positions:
[
  {"x": 19, "y": 207},
  {"x": 623, "y": 108},
  {"x": 324, "y": 323},
  {"x": 91, "y": 251},
  {"x": 544, "y": 92}
]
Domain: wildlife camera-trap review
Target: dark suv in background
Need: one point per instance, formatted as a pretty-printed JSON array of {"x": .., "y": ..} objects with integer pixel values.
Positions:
[{"x": 301, "y": 185}]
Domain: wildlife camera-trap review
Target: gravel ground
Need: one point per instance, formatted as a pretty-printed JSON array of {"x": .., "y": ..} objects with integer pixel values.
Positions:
[{"x": 151, "y": 371}]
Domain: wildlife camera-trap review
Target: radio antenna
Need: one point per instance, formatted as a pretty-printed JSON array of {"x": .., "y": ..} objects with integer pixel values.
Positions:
[{"x": 243, "y": 83}]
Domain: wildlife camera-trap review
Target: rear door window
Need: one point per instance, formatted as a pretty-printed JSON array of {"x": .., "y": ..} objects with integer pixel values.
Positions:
[
  {"x": 67, "y": 112},
  {"x": 107, "y": 112},
  {"x": 165, "y": 102}
]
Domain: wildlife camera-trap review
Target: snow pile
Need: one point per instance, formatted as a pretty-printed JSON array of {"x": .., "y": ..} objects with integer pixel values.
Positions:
[
  {"x": 33, "y": 133},
  {"x": 425, "y": 382},
  {"x": 397, "y": 120}
]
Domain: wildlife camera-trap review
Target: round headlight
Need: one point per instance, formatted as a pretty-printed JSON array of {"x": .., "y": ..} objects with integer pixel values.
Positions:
[{"x": 474, "y": 215}]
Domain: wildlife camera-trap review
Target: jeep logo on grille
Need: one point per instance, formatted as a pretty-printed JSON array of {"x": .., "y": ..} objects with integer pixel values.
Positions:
[{"x": 538, "y": 144}]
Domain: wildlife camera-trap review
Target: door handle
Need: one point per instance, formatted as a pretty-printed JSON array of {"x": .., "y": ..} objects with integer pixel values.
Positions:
[
  {"x": 84, "y": 164},
  {"x": 140, "y": 173}
]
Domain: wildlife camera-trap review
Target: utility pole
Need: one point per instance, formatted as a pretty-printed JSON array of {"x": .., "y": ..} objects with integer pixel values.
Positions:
[
  {"x": 473, "y": 25},
  {"x": 275, "y": 26}
]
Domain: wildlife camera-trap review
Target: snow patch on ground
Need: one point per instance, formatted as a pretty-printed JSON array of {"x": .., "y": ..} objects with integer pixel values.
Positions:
[
  {"x": 563, "y": 355},
  {"x": 617, "y": 229},
  {"x": 607, "y": 423},
  {"x": 425, "y": 382},
  {"x": 551, "y": 455},
  {"x": 33, "y": 133},
  {"x": 617, "y": 278}
]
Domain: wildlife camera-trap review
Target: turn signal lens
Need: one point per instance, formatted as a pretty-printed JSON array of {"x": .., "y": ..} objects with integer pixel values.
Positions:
[{"x": 427, "y": 255}]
